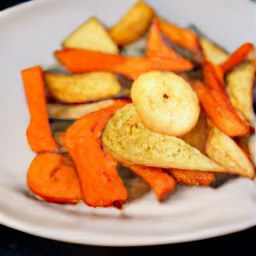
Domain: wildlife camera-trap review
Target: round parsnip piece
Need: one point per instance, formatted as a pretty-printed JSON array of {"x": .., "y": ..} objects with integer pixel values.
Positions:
[{"x": 165, "y": 103}]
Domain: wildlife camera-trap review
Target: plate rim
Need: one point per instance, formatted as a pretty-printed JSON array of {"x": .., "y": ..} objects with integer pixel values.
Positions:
[{"x": 190, "y": 237}]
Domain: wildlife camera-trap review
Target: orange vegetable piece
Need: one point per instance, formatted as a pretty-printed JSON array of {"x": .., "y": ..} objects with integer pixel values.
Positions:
[
  {"x": 213, "y": 76},
  {"x": 81, "y": 60},
  {"x": 236, "y": 57},
  {"x": 100, "y": 184},
  {"x": 53, "y": 178},
  {"x": 180, "y": 36},
  {"x": 156, "y": 47},
  {"x": 39, "y": 133},
  {"x": 193, "y": 178},
  {"x": 160, "y": 181},
  {"x": 220, "y": 110}
]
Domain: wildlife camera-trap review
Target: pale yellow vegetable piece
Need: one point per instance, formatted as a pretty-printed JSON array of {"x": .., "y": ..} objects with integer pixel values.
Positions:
[
  {"x": 212, "y": 51},
  {"x": 133, "y": 25},
  {"x": 223, "y": 150},
  {"x": 165, "y": 103},
  {"x": 82, "y": 87},
  {"x": 75, "y": 111},
  {"x": 240, "y": 85},
  {"x": 127, "y": 140},
  {"x": 91, "y": 35}
]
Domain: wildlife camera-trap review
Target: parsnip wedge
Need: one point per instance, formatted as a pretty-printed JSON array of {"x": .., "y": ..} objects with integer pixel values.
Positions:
[
  {"x": 212, "y": 51},
  {"x": 91, "y": 35},
  {"x": 133, "y": 25},
  {"x": 240, "y": 85},
  {"x": 127, "y": 140},
  {"x": 75, "y": 111},
  {"x": 82, "y": 87},
  {"x": 223, "y": 150}
]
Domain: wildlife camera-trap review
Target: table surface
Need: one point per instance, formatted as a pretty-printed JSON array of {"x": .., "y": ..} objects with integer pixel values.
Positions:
[{"x": 14, "y": 242}]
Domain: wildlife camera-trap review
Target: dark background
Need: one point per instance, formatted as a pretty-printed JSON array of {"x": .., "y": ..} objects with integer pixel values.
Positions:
[{"x": 13, "y": 242}]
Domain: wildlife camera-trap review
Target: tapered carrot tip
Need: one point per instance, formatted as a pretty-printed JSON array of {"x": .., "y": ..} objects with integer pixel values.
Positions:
[
  {"x": 236, "y": 57},
  {"x": 156, "y": 45},
  {"x": 53, "y": 178}
]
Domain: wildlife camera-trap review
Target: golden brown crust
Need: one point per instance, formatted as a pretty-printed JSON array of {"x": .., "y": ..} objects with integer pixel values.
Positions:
[{"x": 127, "y": 140}]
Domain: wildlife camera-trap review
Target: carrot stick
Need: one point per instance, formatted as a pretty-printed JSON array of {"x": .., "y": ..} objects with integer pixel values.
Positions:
[
  {"x": 236, "y": 57},
  {"x": 180, "y": 36},
  {"x": 160, "y": 181},
  {"x": 53, "y": 178},
  {"x": 193, "y": 178},
  {"x": 39, "y": 133},
  {"x": 213, "y": 76},
  {"x": 220, "y": 110},
  {"x": 155, "y": 44},
  {"x": 100, "y": 184},
  {"x": 81, "y": 60}
]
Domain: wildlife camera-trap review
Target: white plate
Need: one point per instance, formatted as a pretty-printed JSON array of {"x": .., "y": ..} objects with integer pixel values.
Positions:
[{"x": 29, "y": 35}]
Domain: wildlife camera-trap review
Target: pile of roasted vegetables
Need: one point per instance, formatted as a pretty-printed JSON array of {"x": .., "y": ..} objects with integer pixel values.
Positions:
[{"x": 164, "y": 102}]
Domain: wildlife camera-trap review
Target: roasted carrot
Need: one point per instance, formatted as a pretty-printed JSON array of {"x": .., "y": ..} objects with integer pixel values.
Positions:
[
  {"x": 213, "y": 78},
  {"x": 220, "y": 110},
  {"x": 155, "y": 43},
  {"x": 79, "y": 61},
  {"x": 180, "y": 36},
  {"x": 213, "y": 75},
  {"x": 236, "y": 57},
  {"x": 160, "y": 181},
  {"x": 39, "y": 133},
  {"x": 192, "y": 177},
  {"x": 100, "y": 184},
  {"x": 156, "y": 47},
  {"x": 53, "y": 178}
]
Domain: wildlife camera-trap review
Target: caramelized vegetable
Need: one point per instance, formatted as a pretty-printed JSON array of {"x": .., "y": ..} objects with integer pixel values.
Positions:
[
  {"x": 180, "y": 36},
  {"x": 220, "y": 111},
  {"x": 80, "y": 88},
  {"x": 133, "y": 25},
  {"x": 100, "y": 184},
  {"x": 213, "y": 76},
  {"x": 79, "y": 61},
  {"x": 223, "y": 150},
  {"x": 193, "y": 178},
  {"x": 212, "y": 52},
  {"x": 160, "y": 181},
  {"x": 156, "y": 46},
  {"x": 53, "y": 178},
  {"x": 236, "y": 57},
  {"x": 240, "y": 89},
  {"x": 39, "y": 134},
  {"x": 91, "y": 35}
]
